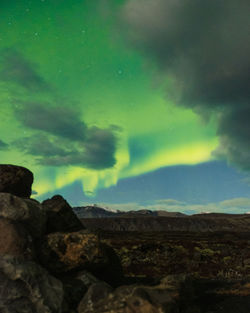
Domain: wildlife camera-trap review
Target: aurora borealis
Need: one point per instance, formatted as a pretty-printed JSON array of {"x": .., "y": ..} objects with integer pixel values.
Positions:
[{"x": 88, "y": 95}]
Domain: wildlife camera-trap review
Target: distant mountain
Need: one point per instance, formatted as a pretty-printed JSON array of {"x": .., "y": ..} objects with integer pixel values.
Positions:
[
  {"x": 149, "y": 213},
  {"x": 98, "y": 212},
  {"x": 203, "y": 223},
  {"x": 147, "y": 220},
  {"x": 93, "y": 212}
]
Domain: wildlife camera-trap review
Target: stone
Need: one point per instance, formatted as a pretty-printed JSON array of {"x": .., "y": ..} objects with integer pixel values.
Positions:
[
  {"x": 113, "y": 274},
  {"x": 86, "y": 278},
  {"x": 25, "y": 211},
  {"x": 16, "y": 180},
  {"x": 62, "y": 252},
  {"x": 75, "y": 286},
  {"x": 14, "y": 240},
  {"x": 60, "y": 215},
  {"x": 25, "y": 287},
  {"x": 161, "y": 298},
  {"x": 96, "y": 292},
  {"x": 100, "y": 299}
]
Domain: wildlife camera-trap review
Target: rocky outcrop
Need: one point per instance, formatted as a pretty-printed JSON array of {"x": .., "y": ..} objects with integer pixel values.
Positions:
[
  {"x": 173, "y": 294},
  {"x": 25, "y": 211},
  {"x": 25, "y": 287},
  {"x": 16, "y": 180},
  {"x": 163, "y": 297},
  {"x": 15, "y": 240},
  {"x": 35, "y": 238},
  {"x": 63, "y": 252},
  {"x": 95, "y": 294},
  {"x": 50, "y": 264},
  {"x": 60, "y": 216},
  {"x": 76, "y": 285}
]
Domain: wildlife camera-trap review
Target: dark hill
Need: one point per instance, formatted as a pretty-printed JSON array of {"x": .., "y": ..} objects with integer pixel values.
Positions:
[
  {"x": 207, "y": 223},
  {"x": 93, "y": 212}
]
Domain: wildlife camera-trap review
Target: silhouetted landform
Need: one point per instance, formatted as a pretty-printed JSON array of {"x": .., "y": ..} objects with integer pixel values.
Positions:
[
  {"x": 197, "y": 223},
  {"x": 98, "y": 212},
  {"x": 93, "y": 211},
  {"x": 51, "y": 263}
]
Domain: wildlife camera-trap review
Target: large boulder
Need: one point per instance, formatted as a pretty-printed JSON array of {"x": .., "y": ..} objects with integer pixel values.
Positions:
[
  {"x": 76, "y": 285},
  {"x": 113, "y": 274},
  {"x": 16, "y": 180},
  {"x": 63, "y": 252},
  {"x": 25, "y": 287},
  {"x": 14, "y": 239},
  {"x": 26, "y": 211},
  {"x": 129, "y": 299},
  {"x": 60, "y": 215},
  {"x": 95, "y": 294}
]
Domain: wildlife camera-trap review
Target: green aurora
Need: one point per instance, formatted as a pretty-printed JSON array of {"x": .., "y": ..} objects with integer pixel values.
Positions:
[{"x": 83, "y": 64}]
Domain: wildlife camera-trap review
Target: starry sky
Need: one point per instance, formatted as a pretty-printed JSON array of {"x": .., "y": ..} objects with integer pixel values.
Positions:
[{"x": 129, "y": 103}]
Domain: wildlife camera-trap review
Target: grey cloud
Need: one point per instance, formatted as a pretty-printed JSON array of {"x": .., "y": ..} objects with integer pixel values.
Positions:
[
  {"x": 96, "y": 152},
  {"x": 203, "y": 47},
  {"x": 42, "y": 146},
  {"x": 100, "y": 148},
  {"x": 62, "y": 139},
  {"x": 234, "y": 132},
  {"x": 58, "y": 121},
  {"x": 16, "y": 69}
]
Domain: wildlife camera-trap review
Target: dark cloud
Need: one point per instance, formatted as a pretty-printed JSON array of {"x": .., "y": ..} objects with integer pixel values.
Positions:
[
  {"x": 62, "y": 139},
  {"x": 203, "y": 47},
  {"x": 96, "y": 152},
  {"x": 100, "y": 147},
  {"x": 58, "y": 121},
  {"x": 16, "y": 69},
  {"x": 3, "y": 145},
  {"x": 42, "y": 146},
  {"x": 234, "y": 131},
  {"x": 60, "y": 136},
  {"x": 96, "y": 155}
]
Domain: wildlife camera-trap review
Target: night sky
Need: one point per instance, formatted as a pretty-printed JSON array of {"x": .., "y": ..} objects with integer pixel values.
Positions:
[{"x": 130, "y": 104}]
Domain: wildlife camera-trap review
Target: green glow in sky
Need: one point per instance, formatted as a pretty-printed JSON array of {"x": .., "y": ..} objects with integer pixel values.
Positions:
[{"x": 73, "y": 47}]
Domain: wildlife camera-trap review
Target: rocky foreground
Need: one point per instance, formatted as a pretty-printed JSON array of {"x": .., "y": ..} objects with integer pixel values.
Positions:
[{"x": 51, "y": 263}]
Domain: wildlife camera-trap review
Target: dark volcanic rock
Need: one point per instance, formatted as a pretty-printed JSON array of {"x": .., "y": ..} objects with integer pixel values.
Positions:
[
  {"x": 96, "y": 293},
  {"x": 63, "y": 252},
  {"x": 113, "y": 273},
  {"x": 25, "y": 211},
  {"x": 174, "y": 294},
  {"x": 60, "y": 215},
  {"x": 75, "y": 286},
  {"x": 14, "y": 240},
  {"x": 163, "y": 298},
  {"x": 25, "y": 287},
  {"x": 16, "y": 180},
  {"x": 87, "y": 278}
]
